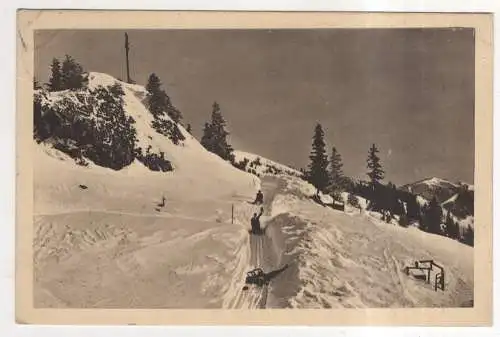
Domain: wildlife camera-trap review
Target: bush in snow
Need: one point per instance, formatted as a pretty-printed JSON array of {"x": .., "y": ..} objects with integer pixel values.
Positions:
[
  {"x": 353, "y": 200},
  {"x": 242, "y": 164},
  {"x": 168, "y": 129},
  {"x": 153, "y": 161},
  {"x": 90, "y": 124}
]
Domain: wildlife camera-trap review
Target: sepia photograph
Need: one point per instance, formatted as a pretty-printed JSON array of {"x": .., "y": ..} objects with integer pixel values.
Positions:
[{"x": 255, "y": 168}]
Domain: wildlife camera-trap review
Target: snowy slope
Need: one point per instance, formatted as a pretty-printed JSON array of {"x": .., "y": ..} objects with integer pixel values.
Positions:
[
  {"x": 262, "y": 166},
  {"x": 355, "y": 260},
  {"x": 103, "y": 240}
]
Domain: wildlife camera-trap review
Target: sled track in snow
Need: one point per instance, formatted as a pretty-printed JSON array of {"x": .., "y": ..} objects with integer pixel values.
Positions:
[
  {"x": 256, "y": 297},
  {"x": 397, "y": 278}
]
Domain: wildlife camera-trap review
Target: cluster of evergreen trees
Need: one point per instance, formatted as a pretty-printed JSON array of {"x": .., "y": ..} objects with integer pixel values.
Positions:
[
  {"x": 66, "y": 75},
  {"x": 325, "y": 173},
  {"x": 160, "y": 106},
  {"x": 94, "y": 126}
]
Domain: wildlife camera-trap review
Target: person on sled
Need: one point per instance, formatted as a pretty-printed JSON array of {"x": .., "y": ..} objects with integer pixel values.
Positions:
[
  {"x": 259, "y": 198},
  {"x": 255, "y": 221}
]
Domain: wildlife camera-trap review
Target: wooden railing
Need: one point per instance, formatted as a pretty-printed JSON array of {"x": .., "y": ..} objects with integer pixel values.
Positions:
[{"x": 427, "y": 266}]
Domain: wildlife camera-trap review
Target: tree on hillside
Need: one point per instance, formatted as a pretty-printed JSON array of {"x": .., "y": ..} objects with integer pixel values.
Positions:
[
  {"x": 469, "y": 236},
  {"x": 394, "y": 204},
  {"x": 413, "y": 207},
  {"x": 451, "y": 227},
  {"x": 156, "y": 99},
  {"x": 432, "y": 217},
  {"x": 337, "y": 179},
  {"x": 55, "y": 81},
  {"x": 72, "y": 74},
  {"x": 317, "y": 173},
  {"x": 215, "y": 135},
  {"x": 188, "y": 128},
  {"x": 160, "y": 106},
  {"x": 375, "y": 173},
  {"x": 207, "y": 138},
  {"x": 159, "y": 102}
]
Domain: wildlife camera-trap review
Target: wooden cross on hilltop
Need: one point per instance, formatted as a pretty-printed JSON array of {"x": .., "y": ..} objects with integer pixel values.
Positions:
[{"x": 127, "y": 48}]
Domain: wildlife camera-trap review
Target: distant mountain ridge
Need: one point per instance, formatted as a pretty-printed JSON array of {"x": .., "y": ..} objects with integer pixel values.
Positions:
[{"x": 455, "y": 197}]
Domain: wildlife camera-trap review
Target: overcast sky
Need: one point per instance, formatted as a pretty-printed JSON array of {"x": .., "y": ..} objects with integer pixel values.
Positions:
[{"x": 411, "y": 92}]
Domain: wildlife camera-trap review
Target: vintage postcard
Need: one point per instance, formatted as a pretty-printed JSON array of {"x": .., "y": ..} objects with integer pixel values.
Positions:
[{"x": 254, "y": 168}]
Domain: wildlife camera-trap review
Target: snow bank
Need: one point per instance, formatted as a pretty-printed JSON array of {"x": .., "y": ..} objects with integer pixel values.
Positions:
[{"x": 354, "y": 260}]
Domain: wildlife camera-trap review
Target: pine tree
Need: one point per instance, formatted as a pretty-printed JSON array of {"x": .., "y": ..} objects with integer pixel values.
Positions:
[
  {"x": 469, "y": 236},
  {"x": 336, "y": 174},
  {"x": 156, "y": 99},
  {"x": 376, "y": 173},
  {"x": 215, "y": 135},
  {"x": 159, "y": 102},
  {"x": 72, "y": 74},
  {"x": 456, "y": 230},
  {"x": 221, "y": 146},
  {"x": 433, "y": 217},
  {"x": 188, "y": 128},
  {"x": 207, "y": 139},
  {"x": 412, "y": 206},
  {"x": 318, "y": 174},
  {"x": 450, "y": 226},
  {"x": 55, "y": 80}
]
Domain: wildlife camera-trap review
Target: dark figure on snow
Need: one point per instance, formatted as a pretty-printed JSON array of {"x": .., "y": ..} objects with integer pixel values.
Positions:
[
  {"x": 255, "y": 221},
  {"x": 259, "y": 198}
]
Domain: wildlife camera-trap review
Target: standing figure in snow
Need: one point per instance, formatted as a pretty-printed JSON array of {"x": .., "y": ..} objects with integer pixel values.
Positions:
[{"x": 255, "y": 221}]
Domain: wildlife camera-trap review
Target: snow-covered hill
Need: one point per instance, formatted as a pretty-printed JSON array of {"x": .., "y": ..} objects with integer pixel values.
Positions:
[
  {"x": 261, "y": 166},
  {"x": 432, "y": 187},
  {"x": 455, "y": 197},
  {"x": 134, "y": 237}
]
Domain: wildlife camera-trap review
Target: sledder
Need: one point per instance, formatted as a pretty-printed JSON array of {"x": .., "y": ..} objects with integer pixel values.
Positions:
[
  {"x": 259, "y": 198},
  {"x": 255, "y": 222}
]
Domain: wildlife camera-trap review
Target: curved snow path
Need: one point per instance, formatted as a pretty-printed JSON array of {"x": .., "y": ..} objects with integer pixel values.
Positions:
[{"x": 260, "y": 252}]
